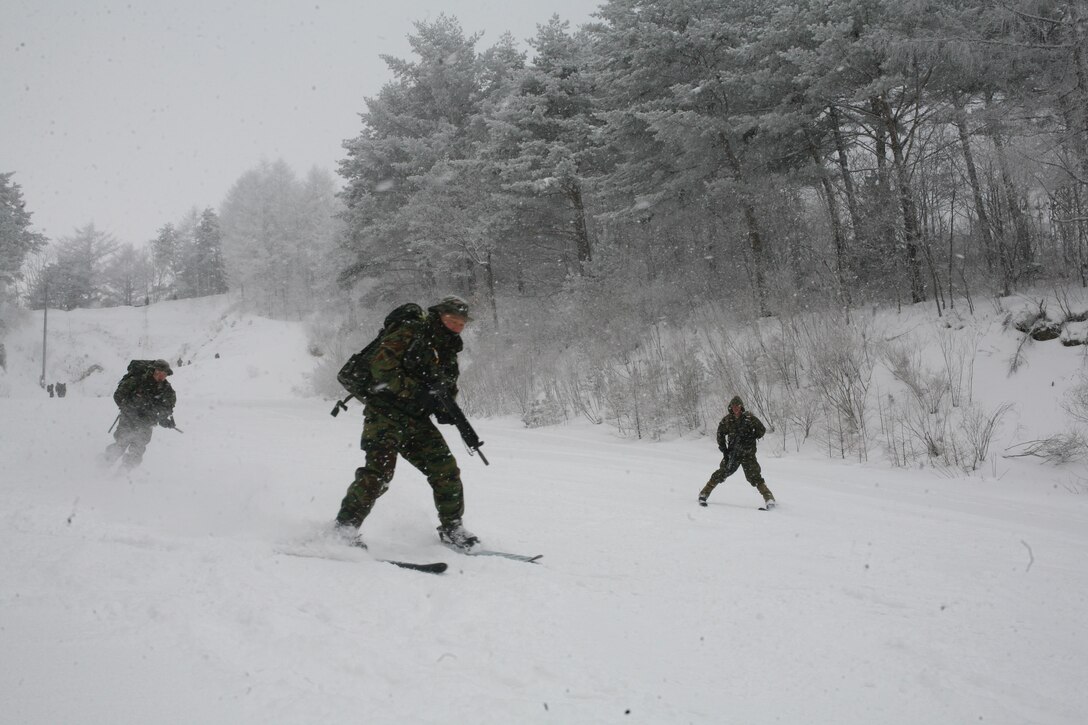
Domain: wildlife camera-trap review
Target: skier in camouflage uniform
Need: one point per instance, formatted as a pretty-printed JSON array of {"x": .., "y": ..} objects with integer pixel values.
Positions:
[
  {"x": 737, "y": 436},
  {"x": 413, "y": 358},
  {"x": 146, "y": 399}
]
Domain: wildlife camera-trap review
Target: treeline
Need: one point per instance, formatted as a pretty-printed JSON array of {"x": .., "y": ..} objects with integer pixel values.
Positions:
[
  {"x": 273, "y": 241},
  {"x": 90, "y": 268},
  {"x": 757, "y": 153},
  {"x": 627, "y": 200}
]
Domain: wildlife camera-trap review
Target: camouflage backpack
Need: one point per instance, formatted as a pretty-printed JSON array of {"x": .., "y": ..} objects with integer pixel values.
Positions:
[
  {"x": 143, "y": 368},
  {"x": 355, "y": 375}
]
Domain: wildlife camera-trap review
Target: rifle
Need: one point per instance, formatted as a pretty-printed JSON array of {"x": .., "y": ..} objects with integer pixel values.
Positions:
[
  {"x": 730, "y": 457},
  {"x": 453, "y": 412}
]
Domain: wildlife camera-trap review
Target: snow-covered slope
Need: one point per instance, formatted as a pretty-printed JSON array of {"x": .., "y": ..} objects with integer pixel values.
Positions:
[
  {"x": 231, "y": 354},
  {"x": 874, "y": 595}
]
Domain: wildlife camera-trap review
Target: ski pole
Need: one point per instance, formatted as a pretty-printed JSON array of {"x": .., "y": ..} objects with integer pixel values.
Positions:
[{"x": 114, "y": 423}]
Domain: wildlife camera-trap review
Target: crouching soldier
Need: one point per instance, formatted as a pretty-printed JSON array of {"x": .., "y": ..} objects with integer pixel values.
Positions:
[
  {"x": 737, "y": 436},
  {"x": 145, "y": 399}
]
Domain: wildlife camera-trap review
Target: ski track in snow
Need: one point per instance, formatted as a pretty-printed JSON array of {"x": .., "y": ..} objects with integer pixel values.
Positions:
[{"x": 871, "y": 595}]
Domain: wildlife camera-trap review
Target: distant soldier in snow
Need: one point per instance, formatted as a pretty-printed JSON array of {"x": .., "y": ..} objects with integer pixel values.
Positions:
[
  {"x": 146, "y": 399},
  {"x": 737, "y": 436},
  {"x": 415, "y": 358}
]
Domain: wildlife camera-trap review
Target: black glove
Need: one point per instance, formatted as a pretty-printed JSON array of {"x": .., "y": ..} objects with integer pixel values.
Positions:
[{"x": 168, "y": 422}]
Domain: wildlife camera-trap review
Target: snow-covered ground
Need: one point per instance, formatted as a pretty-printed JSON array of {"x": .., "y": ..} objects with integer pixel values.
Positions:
[{"x": 873, "y": 595}]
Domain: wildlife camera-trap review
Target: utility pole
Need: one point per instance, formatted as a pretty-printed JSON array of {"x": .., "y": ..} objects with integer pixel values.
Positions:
[{"x": 45, "y": 322}]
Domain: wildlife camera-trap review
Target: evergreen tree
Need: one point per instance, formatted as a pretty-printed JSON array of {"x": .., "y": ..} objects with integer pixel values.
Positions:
[
  {"x": 427, "y": 118},
  {"x": 207, "y": 257},
  {"x": 321, "y": 229},
  {"x": 277, "y": 234},
  {"x": 127, "y": 277},
  {"x": 16, "y": 238},
  {"x": 187, "y": 282},
  {"x": 165, "y": 261},
  {"x": 683, "y": 105},
  {"x": 76, "y": 278},
  {"x": 541, "y": 143}
]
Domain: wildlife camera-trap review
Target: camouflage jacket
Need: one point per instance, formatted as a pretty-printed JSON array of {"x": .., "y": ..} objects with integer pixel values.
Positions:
[
  {"x": 143, "y": 399},
  {"x": 411, "y": 359},
  {"x": 740, "y": 432}
]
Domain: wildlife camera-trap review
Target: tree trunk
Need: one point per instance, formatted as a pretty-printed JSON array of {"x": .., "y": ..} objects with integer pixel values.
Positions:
[
  {"x": 976, "y": 188},
  {"x": 1079, "y": 101},
  {"x": 886, "y": 231},
  {"x": 844, "y": 169},
  {"x": 489, "y": 278},
  {"x": 581, "y": 231},
  {"x": 1020, "y": 256},
  {"x": 836, "y": 226},
  {"x": 755, "y": 238},
  {"x": 911, "y": 231}
]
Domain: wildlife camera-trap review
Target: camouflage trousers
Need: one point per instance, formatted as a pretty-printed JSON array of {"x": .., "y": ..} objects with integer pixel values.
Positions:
[
  {"x": 387, "y": 434},
  {"x": 729, "y": 466},
  {"x": 130, "y": 439}
]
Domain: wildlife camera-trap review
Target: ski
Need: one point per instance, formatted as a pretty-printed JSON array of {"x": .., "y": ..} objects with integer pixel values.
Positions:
[
  {"x": 489, "y": 552},
  {"x": 436, "y": 567},
  {"x": 433, "y": 568}
]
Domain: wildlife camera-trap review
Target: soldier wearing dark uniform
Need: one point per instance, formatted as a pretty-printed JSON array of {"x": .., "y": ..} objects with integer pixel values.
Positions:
[
  {"x": 146, "y": 399},
  {"x": 415, "y": 357},
  {"x": 737, "y": 436}
]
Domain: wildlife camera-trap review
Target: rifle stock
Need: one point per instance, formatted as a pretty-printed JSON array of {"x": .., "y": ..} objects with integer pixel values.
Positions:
[{"x": 340, "y": 404}]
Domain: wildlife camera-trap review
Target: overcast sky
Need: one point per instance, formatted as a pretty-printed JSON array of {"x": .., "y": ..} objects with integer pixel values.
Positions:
[{"x": 129, "y": 113}]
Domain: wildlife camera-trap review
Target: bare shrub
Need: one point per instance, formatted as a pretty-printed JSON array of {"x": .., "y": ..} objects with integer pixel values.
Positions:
[
  {"x": 840, "y": 365},
  {"x": 978, "y": 428},
  {"x": 802, "y": 411},
  {"x": 928, "y": 429},
  {"x": 583, "y": 395},
  {"x": 1017, "y": 360},
  {"x": 1061, "y": 294},
  {"x": 905, "y": 364},
  {"x": 1057, "y": 449},
  {"x": 958, "y": 354},
  {"x": 337, "y": 341},
  {"x": 897, "y": 442},
  {"x": 1077, "y": 402}
]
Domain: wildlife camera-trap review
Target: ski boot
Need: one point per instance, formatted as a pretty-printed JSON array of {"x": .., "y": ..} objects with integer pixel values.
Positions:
[
  {"x": 348, "y": 535},
  {"x": 456, "y": 535}
]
